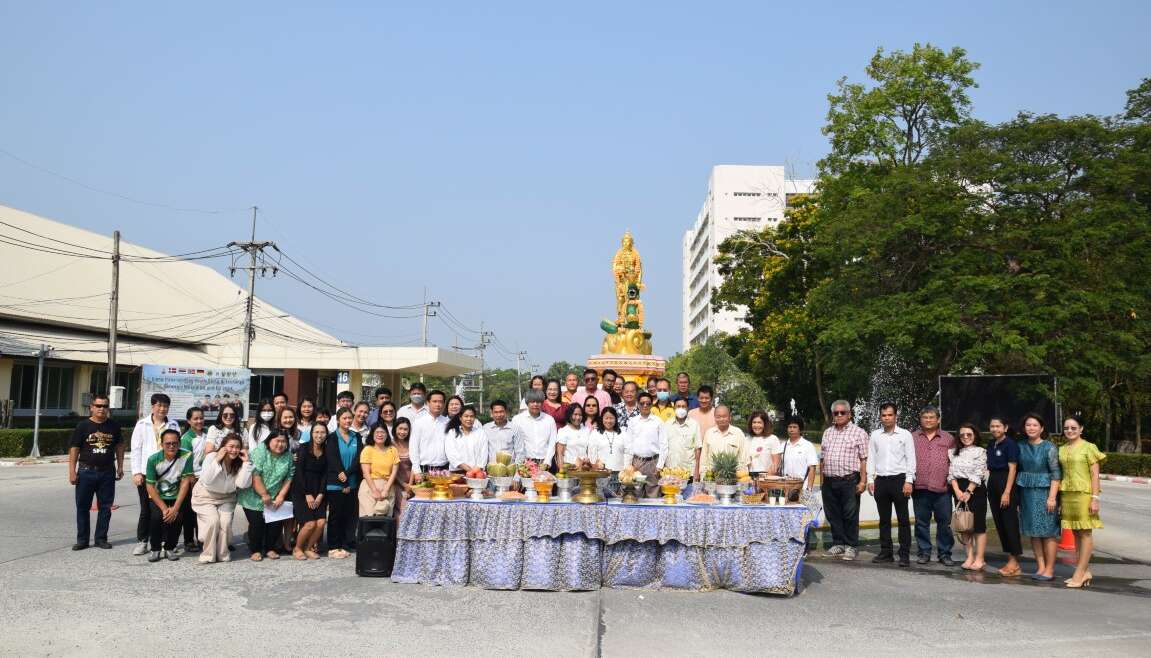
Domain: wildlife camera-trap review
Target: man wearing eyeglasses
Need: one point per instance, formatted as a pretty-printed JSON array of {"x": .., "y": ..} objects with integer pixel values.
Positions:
[
  {"x": 646, "y": 443},
  {"x": 591, "y": 389},
  {"x": 92, "y": 470},
  {"x": 843, "y": 465}
]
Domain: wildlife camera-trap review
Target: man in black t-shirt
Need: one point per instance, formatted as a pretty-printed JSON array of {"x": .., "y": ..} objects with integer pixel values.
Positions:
[{"x": 95, "y": 462}]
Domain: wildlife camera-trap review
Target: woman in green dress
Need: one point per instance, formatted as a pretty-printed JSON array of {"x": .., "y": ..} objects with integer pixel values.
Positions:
[
  {"x": 1079, "y": 495},
  {"x": 1038, "y": 480}
]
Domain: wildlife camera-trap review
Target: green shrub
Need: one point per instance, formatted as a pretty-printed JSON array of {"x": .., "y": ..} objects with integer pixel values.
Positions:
[
  {"x": 1123, "y": 463},
  {"x": 18, "y": 442}
]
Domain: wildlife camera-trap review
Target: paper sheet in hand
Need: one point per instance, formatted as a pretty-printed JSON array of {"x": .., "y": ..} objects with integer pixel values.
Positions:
[{"x": 282, "y": 514}]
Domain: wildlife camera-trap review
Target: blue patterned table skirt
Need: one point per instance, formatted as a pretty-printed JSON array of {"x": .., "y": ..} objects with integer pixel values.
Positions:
[{"x": 569, "y": 546}]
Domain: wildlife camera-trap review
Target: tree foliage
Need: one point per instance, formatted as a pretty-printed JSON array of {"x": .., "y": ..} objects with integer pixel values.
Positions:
[
  {"x": 958, "y": 246},
  {"x": 709, "y": 363}
]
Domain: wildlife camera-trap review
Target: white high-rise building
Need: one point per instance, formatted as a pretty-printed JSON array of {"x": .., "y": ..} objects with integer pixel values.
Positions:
[{"x": 739, "y": 197}]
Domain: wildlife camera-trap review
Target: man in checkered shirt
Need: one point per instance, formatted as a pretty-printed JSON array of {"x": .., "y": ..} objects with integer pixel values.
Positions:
[{"x": 843, "y": 467}]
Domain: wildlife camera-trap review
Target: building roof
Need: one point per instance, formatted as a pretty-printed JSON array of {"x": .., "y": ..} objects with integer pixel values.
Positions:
[{"x": 178, "y": 312}]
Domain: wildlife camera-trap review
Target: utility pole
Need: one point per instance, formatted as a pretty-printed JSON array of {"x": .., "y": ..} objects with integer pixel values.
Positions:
[
  {"x": 485, "y": 338},
  {"x": 428, "y": 313},
  {"x": 113, "y": 313},
  {"x": 253, "y": 249},
  {"x": 39, "y": 384},
  {"x": 520, "y": 358}
]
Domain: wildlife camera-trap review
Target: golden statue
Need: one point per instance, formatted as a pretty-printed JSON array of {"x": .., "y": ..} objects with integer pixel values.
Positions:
[
  {"x": 628, "y": 271},
  {"x": 626, "y": 335}
]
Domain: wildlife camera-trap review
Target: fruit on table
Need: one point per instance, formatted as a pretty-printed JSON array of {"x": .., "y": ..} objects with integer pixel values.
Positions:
[
  {"x": 504, "y": 458},
  {"x": 476, "y": 474},
  {"x": 497, "y": 470}
]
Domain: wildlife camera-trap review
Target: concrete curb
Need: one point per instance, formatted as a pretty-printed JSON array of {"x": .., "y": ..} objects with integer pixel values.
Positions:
[{"x": 1125, "y": 478}]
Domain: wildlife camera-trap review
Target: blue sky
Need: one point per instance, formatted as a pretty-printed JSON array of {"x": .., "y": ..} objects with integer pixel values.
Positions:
[{"x": 490, "y": 152}]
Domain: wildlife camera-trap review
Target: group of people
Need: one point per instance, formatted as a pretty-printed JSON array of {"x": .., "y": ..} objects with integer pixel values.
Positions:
[
  {"x": 362, "y": 458},
  {"x": 1032, "y": 487}
]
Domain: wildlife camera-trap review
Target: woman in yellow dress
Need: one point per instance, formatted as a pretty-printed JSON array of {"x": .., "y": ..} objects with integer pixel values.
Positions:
[{"x": 1079, "y": 494}]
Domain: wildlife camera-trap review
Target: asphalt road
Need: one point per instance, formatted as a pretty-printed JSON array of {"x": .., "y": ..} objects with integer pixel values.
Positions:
[{"x": 57, "y": 602}]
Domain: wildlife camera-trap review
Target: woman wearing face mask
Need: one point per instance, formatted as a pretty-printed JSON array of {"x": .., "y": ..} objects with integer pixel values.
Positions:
[
  {"x": 309, "y": 504},
  {"x": 966, "y": 475},
  {"x": 193, "y": 441},
  {"x": 1080, "y": 492},
  {"x": 214, "y": 496},
  {"x": 1039, "y": 479},
  {"x": 272, "y": 471},
  {"x": 227, "y": 422},
  {"x": 261, "y": 427},
  {"x": 1003, "y": 495},
  {"x": 466, "y": 441},
  {"x": 572, "y": 438}
]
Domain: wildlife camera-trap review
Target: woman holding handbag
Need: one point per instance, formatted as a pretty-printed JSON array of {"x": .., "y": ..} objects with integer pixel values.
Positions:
[{"x": 967, "y": 475}]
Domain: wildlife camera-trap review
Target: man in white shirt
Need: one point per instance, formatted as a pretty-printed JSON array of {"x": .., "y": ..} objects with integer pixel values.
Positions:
[
  {"x": 647, "y": 444},
  {"x": 344, "y": 400},
  {"x": 428, "y": 445},
  {"x": 537, "y": 429},
  {"x": 724, "y": 437},
  {"x": 503, "y": 436},
  {"x": 591, "y": 389},
  {"x": 891, "y": 453},
  {"x": 416, "y": 408},
  {"x": 146, "y": 442},
  {"x": 684, "y": 441}
]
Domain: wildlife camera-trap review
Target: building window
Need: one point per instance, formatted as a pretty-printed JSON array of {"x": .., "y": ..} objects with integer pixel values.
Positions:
[
  {"x": 55, "y": 389},
  {"x": 264, "y": 386},
  {"x": 746, "y": 219},
  {"x": 746, "y": 194},
  {"x": 130, "y": 380}
]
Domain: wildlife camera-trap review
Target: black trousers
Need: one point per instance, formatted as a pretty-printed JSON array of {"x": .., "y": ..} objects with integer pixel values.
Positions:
[
  {"x": 1006, "y": 520},
  {"x": 144, "y": 523},
  {"x": 262, "y": 536},
  {"x": 162, "y": 534},
  {"x": 841, "y": 507},
  {"x": 977, "y": 504},
  {"x": 888, "y": 493},
  {"x": 343, "y": 513},
  {"x": 189, "y": 519},
  {"x": 102, "y": 485}
]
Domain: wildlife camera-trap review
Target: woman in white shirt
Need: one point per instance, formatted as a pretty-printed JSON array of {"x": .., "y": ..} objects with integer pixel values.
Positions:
[
  {"x": 763, "y": 447},
  {"x": 967, "y": 477},
  {"x": 305, "y": 417},
  {"x": 466, "y": 442},
  {"x": 214, "y": 496},
  {"x": 572, "y": 438},
  {"x": 606, "y": 443},
  {"x": 227, "y": 422},
  {"x": 261, "y": 426}
]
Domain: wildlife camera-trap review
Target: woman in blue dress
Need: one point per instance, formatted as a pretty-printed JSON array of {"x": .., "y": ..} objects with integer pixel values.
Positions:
[{"x": 1038, "y": 481}]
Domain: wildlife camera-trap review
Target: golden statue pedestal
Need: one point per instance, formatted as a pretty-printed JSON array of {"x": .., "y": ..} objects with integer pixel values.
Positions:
[{"x": 632, "y": 367}]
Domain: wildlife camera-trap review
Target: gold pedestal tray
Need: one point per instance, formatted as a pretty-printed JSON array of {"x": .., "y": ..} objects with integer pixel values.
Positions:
[
  {"x": 442, "y": 484},
  {"x": 588, "y": 485}
]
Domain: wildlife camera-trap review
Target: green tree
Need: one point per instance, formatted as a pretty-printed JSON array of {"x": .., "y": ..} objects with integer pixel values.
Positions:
[
  {"x": 709, "y": 363},
  {"x": 560, "y": 369}
]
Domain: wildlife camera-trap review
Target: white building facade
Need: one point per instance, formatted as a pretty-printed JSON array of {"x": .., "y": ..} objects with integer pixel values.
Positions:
[{"x": 739, "y": 198}]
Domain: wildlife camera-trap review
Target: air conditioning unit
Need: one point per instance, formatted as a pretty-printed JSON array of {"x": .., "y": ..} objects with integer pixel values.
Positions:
[{"x": 116, "y": 397}]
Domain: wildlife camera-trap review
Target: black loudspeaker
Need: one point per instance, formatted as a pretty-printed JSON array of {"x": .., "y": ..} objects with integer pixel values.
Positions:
[{"x": 375, "y": 545}]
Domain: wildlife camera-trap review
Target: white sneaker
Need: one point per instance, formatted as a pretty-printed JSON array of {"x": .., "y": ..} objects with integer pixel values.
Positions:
[
  {"x": 850, "y": 554},
  {"x": 179, "y": 550},
  {"x": 141, "y": 548},
  {"x": 834, "y": 551}
]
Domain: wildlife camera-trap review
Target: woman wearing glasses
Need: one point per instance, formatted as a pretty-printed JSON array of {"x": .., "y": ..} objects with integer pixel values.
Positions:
[{"x": 227, "y": 422}]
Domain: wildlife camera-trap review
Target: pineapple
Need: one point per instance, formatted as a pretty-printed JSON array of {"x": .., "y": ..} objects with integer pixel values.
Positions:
[{"x": 725, "y": 467}]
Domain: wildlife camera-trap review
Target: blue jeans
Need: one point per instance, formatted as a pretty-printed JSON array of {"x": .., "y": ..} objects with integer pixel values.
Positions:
[
  {"x": 102, "y": 484},
  {"x": 928, "y": 504}
]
